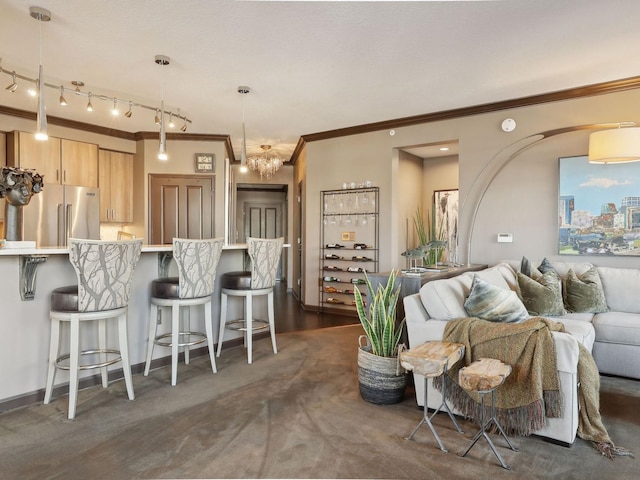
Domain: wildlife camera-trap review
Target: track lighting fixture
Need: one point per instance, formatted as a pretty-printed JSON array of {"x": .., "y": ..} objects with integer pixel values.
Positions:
[
  {"x": 13, "y": 86},
  {"x": 77, "y": 84},
  {"x": 63, "y": 100},
  {"x": 43, "y": 15}
]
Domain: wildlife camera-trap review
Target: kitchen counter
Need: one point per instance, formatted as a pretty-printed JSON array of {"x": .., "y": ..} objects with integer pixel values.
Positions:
[{"x": 25, "y": 326}]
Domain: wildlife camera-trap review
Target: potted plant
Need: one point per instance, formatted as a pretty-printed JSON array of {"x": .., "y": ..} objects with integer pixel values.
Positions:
[
  {"x": 432, "y": 243},
  {"x": 381, "y": 378}
]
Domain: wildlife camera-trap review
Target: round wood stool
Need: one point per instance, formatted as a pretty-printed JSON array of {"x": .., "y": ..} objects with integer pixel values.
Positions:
[
  {"x": 431, "y": 360},
  {"x": 484, "y": 376}
]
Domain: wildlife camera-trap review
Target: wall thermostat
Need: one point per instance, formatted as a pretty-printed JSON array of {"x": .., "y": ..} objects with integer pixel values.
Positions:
[
  {"x": 505, "y": 238},
  {"x": 508, "y": 125}
]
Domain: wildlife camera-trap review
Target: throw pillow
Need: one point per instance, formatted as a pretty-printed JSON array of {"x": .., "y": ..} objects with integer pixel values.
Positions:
[
  {"x": 584, "y": 293},
  {"x": 545, "y": 266},
  {"x": 543, "y": 295},
  {"x": 527, "y": 269},
  {"x": 493, "y": 303}
]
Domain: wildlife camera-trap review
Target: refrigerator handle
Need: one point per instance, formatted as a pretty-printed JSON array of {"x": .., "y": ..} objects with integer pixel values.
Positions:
[
  {"x": 61, "y": 227},
  {"x": 68, "y": 224}
]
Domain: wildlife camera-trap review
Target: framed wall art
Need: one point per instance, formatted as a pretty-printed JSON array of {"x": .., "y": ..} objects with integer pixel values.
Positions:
[
  {"x": 598, "y": 208},
  {"x": 446, "y": 219}
]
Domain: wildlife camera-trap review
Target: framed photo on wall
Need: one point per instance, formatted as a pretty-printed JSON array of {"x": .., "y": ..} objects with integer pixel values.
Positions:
[
  {"x": 446, "y": 219},
  {"x": 205, "y": 162},
  {"x": 598, "y": 208}
]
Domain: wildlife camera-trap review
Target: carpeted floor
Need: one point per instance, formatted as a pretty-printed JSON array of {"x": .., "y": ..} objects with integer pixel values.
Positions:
[{"x": 297, "y": 414}]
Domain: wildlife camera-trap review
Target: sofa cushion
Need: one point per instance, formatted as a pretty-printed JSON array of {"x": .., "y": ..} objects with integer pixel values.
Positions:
[
  {"x": 582, "y": 331},
  {"x": 493, "y": 303},
  {"x": 621, "y": 288},
  {"x": 584, "y": 293},
  {"x": 543, "y": 295},
  {"x": 617, "y": 327}
]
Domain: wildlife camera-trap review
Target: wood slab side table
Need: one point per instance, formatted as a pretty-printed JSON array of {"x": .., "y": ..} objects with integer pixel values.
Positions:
[
  {"x": 432, "y": 359},
  {"x": 484, "y": 376}
]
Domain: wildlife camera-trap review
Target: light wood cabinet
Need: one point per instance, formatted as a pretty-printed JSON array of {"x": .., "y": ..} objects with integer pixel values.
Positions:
[
  {"x": 116, "y": 186},
  {"x": 62, "y": 162},
  {"x": 79, "y": 163},
  {"x": 24, "y": 151}
]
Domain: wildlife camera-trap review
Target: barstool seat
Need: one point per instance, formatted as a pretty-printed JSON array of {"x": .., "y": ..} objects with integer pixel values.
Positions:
[
  {"x": 165, "y": 287},
  {"x": 104, "y": 271},
  {"x": 65, "y": 299},
  {"x": 236, "y": 280},
  {"x": 197, "y": 261}
]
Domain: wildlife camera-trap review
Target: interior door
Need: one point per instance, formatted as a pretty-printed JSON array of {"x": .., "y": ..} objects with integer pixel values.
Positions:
[
  {"x": 262, "y": 220},
  {"x": 180, "y": 206}
]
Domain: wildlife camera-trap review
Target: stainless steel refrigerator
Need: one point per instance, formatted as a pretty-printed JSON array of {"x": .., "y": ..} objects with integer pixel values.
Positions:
[{"x": 61, "y": 212}]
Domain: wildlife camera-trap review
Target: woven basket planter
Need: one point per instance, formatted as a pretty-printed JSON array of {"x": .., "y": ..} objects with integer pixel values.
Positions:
[{"x": 382, "y": 379}]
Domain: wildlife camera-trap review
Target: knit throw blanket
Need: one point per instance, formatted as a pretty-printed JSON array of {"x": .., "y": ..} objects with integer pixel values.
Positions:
[{"x": 532, "y": 392}]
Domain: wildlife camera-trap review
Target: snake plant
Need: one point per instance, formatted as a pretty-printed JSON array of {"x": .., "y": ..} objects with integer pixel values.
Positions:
[{"x": 379, "y": 321}]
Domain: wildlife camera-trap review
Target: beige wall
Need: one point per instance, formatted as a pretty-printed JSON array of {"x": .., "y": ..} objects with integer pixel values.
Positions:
[{"x": 522, "y": 200}]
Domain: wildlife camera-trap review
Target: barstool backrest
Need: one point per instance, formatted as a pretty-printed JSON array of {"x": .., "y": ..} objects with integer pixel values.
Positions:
[
  {"x": 104, "y": 271},
  {"x": 265, "y": 258},
  {"x": 197, "y": 263}
]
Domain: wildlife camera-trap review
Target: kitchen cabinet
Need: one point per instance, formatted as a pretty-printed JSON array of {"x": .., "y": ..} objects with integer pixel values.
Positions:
[
  {"x": 349, "y": 242},
  {"x": 79, "y": 163},
  {"x": 115, "y": 179},
  {"x": 59, "y": 161}
]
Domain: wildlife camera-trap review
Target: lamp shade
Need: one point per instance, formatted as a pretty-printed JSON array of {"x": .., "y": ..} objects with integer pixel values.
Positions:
[{"x": 616, "y": 145}]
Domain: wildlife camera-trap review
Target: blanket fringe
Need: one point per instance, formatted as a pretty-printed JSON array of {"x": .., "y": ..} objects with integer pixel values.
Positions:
[{"x": 608, "y": 450}]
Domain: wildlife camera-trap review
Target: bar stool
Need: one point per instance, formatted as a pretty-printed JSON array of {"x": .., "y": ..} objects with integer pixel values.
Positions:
[
  {"x": 104, "y": 271},
  {"x": 197, "y": 262},
  {"x": 433, "y": 359},
  {"x": 482, "y": 377},
  {"x": 265, "y": 257}
]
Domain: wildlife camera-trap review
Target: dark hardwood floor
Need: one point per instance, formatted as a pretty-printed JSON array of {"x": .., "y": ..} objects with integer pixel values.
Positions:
[{"x": 291, "y": 317}]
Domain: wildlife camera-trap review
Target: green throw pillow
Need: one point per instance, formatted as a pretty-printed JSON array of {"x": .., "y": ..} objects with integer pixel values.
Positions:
[
  {"x": 493, "y": 303},
  {"x": 543, "y": 295},
  {"x": 584, "y": 293}
]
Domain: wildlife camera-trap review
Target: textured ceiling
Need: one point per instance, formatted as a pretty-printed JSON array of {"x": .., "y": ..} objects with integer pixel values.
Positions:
[{"x": 312, "y": 66}]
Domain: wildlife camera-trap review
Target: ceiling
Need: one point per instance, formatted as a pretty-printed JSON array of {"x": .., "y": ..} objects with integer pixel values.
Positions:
[{"x": 312, "y": 66}]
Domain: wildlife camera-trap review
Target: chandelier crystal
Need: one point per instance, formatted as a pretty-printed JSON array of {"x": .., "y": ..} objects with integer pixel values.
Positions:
[{"x": 265, "y": 164}]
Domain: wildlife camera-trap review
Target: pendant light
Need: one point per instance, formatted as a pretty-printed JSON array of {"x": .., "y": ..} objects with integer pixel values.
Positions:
[
  {"x": 42, "y": 15},
  {"x": 162, "y": 60},
  {"x": 243, "y": 90}
]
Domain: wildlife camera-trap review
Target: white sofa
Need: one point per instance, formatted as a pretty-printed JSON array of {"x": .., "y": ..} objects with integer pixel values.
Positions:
[{"x": 613, "y": 337}]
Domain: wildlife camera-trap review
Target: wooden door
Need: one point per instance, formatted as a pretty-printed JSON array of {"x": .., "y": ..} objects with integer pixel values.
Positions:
[
  {"x": 180, "y": 206},
  {"x": 262, "y": 220},
  {"x": 79, "y": 163}
]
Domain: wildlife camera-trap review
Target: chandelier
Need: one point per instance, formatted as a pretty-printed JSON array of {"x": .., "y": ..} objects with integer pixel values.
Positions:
[{"x": 265, "y": 164}]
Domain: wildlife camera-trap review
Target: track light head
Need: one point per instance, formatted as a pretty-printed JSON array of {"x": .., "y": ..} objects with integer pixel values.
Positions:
[
  {"x": 63, "y": 101},
  {"x": 114, "y": 110},
  {"x": 183, "y": 128},
  {"x": 13, "y": 86},
  {"x": 171, "y": 124},
  {"x": 128, "y": 113},
  {"x": 77, "y": 84},
  {"x": 89, "y": 105},
  {"x": 156, "y": 119}
]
